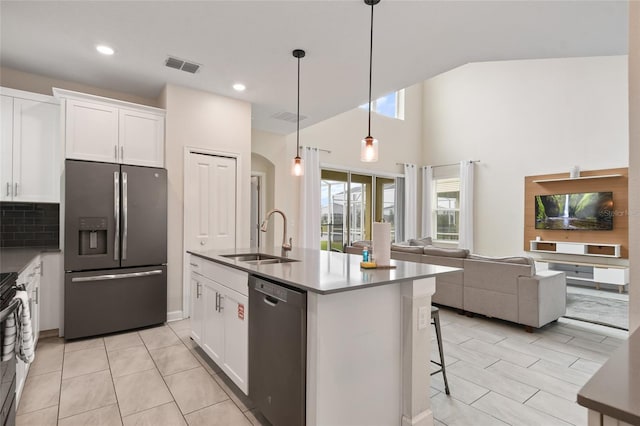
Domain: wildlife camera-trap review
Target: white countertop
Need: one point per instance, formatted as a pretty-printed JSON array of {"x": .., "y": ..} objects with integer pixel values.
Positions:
[{"x": 325, "y": 272}]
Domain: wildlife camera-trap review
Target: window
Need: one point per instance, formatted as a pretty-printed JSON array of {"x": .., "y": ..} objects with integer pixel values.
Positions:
[
  {"x": 391, "y": 105},
  {"x": 447, "y": 208},
  {"x": 350, "y": 202}
]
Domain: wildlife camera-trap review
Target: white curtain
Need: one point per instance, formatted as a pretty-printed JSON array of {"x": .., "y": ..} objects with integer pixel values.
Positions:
[
  {"x": 309, "y": 222},
  {"x": 466, "y": 205},
  {"x": 410, "y": 201},
  {"x": 427, "y": 197}
]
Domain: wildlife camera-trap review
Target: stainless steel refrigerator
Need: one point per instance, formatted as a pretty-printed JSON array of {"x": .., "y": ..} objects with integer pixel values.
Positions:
[{"x": 115, "y": 247}]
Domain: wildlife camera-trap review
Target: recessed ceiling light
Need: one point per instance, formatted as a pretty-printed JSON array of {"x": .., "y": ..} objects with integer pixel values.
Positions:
[
  {"x": 105, "y": 50},
  {"x": 239, "y": 87}
]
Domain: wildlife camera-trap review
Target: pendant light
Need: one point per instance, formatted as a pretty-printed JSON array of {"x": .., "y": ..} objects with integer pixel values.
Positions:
[
  {"x": 297, "y": 168},
  {"x": 369, "y": 145}
]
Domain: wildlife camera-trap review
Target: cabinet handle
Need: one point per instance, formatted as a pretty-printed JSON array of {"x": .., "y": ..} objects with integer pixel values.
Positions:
[
  {"x": 220, "y": 307},
  {"x": 41, "y": 267},
  {"x": 15, "y": 194},
  {"x": 115, "y": 152},
  {"x": 217, "y": 300},
  {"x": 37, "y": 297},
  {"x": 195, "y": 265},
  {"x": 8, "y": 189},
  {"x": 122, "y": 153},
  {"x": 198, "y": 287}
]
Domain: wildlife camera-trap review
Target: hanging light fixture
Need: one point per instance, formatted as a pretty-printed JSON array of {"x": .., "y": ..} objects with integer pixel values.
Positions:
[
  {"x": 297, "y": 168},
  {"x": 369, "y": 145}
]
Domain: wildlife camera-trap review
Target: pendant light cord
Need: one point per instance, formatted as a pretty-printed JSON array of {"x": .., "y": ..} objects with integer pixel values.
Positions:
[
  {"x": 298, "y": 115},
  {"x": 370, "y": 69}
]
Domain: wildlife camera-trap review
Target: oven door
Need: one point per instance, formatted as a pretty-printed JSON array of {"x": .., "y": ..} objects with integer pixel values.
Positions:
[{"x": 7, "y": 372}]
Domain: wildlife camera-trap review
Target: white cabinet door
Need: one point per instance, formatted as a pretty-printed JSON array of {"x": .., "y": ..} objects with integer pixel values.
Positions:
[
  {"x": 235, "y": 309},
  {"x": 141, "y": 138},
  {"x": 6, "y": 148},
  {"x": 34, "y": 307},
  {"x": 210, "y": 202},
  {"x": 36, "y": 161},
  {"x": 91, "y": 131},
  {"x": 197, "y": 307},
  {"x": 213, "y": 334}
]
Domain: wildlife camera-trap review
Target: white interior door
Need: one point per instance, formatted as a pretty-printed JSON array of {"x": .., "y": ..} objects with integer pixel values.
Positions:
[{"x": 210, "y": 202}]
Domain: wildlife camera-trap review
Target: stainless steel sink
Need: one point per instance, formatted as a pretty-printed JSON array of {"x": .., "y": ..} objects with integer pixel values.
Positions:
[{"x": 258, "y": 258}]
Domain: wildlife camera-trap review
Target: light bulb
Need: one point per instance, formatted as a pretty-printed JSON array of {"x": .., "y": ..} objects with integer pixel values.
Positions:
[
  {"x": 369, "y": 150},
  {"x": 105, "y": 50},
  {"x": 297, "y": 168}
]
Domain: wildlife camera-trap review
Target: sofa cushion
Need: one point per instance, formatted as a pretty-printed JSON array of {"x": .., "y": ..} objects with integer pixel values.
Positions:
[
  {"x": 424, "y": 241},
  {"x": 446, "y": 252},
  {"x": 406, "y": 249}
]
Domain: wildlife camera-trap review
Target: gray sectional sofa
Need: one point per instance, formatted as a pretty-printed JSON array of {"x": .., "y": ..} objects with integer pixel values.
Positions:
[{"x": 505, "y": 288}]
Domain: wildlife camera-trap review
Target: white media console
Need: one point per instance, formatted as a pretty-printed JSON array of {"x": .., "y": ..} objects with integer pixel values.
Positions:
[
  {"x": 584, "y": 249},
  {"x": 583, "y": 271}
]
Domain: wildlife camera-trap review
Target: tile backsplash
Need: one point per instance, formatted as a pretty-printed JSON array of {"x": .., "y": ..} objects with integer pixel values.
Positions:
[{"x": 29, "y": 225}]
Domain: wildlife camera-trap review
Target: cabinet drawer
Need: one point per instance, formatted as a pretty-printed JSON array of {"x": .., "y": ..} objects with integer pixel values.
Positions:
[
  {"x": 611, "y": 275},
  {"x": 233, "y": 278}
]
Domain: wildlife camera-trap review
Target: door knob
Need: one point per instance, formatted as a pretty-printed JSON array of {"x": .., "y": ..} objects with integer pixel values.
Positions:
[{"x": 202, "y": 242}]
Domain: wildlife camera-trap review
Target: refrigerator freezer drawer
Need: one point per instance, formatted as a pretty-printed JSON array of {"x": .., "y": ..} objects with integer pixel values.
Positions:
[{"x": 113, "y": 300}]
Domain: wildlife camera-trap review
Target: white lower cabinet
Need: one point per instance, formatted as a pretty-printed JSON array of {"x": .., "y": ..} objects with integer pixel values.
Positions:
[
  {"x": 220, "y": 317},
  {"x": 30, "y": 278},
  {"x": 213, "y": 338},
  {"x": 197, "y": 307}
]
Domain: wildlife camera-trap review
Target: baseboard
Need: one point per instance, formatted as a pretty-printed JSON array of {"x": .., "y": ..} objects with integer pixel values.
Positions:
[
  {"x": 174, "y": 316},
  {"x": 48, "y": 333},
  {"x": 422, "y": 419}
]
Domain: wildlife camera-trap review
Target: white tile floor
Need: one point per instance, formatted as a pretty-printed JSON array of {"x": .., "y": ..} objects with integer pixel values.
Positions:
[
  {"x": 498, "y": 374},
  {"x": 150, "y": 377}
]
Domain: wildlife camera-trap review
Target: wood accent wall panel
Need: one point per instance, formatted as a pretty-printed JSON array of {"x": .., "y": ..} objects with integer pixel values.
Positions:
[{"x": 617, "y": 185}]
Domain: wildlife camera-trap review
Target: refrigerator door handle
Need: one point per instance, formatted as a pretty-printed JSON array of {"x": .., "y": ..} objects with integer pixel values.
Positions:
[
  {"x": 125, "y": 216},
  {"x": 116, "y": 276},
  {"x": 116, "y": 214}
]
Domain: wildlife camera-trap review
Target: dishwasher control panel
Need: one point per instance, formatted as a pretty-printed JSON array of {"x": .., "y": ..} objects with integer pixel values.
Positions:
[{"x": 272, "y": 290}]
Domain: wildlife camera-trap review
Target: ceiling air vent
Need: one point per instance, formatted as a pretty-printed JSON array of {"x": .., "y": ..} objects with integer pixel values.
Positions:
[
  {"x": 179, "y": 64},
  {"x": 288, "y": 116}
]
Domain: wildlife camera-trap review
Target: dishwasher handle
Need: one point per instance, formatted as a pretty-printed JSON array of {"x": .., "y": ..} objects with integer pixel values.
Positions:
[{"x": 271, "y": 301}]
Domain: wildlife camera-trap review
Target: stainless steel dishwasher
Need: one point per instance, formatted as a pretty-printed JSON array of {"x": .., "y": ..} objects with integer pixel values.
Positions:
[{"x": 278, "y": 351}]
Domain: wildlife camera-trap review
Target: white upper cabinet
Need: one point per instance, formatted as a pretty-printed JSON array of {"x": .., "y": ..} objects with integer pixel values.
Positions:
[
  {"x": 91, "y": 131},
  {"x": 141, "y": 138},
  {"x": 109, "y": 130},
  {"x": 30, "y": 157}
]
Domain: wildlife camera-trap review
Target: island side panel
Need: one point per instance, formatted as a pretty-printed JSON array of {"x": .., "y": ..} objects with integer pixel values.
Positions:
[
  {"x": 416, "y": 352},
  {"x": 355, "y": 357}
]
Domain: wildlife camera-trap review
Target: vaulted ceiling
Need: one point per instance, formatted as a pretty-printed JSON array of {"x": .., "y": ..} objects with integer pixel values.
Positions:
[{"x": 251, "y": 42}]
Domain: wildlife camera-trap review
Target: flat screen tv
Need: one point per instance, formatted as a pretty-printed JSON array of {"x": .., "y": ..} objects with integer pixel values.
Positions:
[{"x": 592, "y": 211}]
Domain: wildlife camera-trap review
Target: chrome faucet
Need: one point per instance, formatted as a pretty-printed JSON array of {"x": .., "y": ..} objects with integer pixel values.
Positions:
[{"x": 286, "y": 246}]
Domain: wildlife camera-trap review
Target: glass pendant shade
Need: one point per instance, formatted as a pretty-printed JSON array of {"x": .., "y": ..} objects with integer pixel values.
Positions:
[
  {"x": 297, "y": 167},
  {"x": 369, "y": 150}
]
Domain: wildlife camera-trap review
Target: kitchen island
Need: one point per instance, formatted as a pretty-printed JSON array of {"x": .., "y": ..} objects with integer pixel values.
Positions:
[{"x": 367, "y": 333}]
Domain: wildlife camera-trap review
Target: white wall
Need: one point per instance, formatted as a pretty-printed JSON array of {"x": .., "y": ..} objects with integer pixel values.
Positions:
[
  {"x": 522, "y": 118},
  {"x": 201, "y": 120},
  {"x": 400, "y": 142},
  {"x": 634, "y": 164},
  {"x": 262, "y": 165},
  {"x": 37, "y": 83}
]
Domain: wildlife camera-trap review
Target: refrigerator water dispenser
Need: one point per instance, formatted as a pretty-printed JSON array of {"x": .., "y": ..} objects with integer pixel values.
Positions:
[{"x": 93, "y": 236}]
